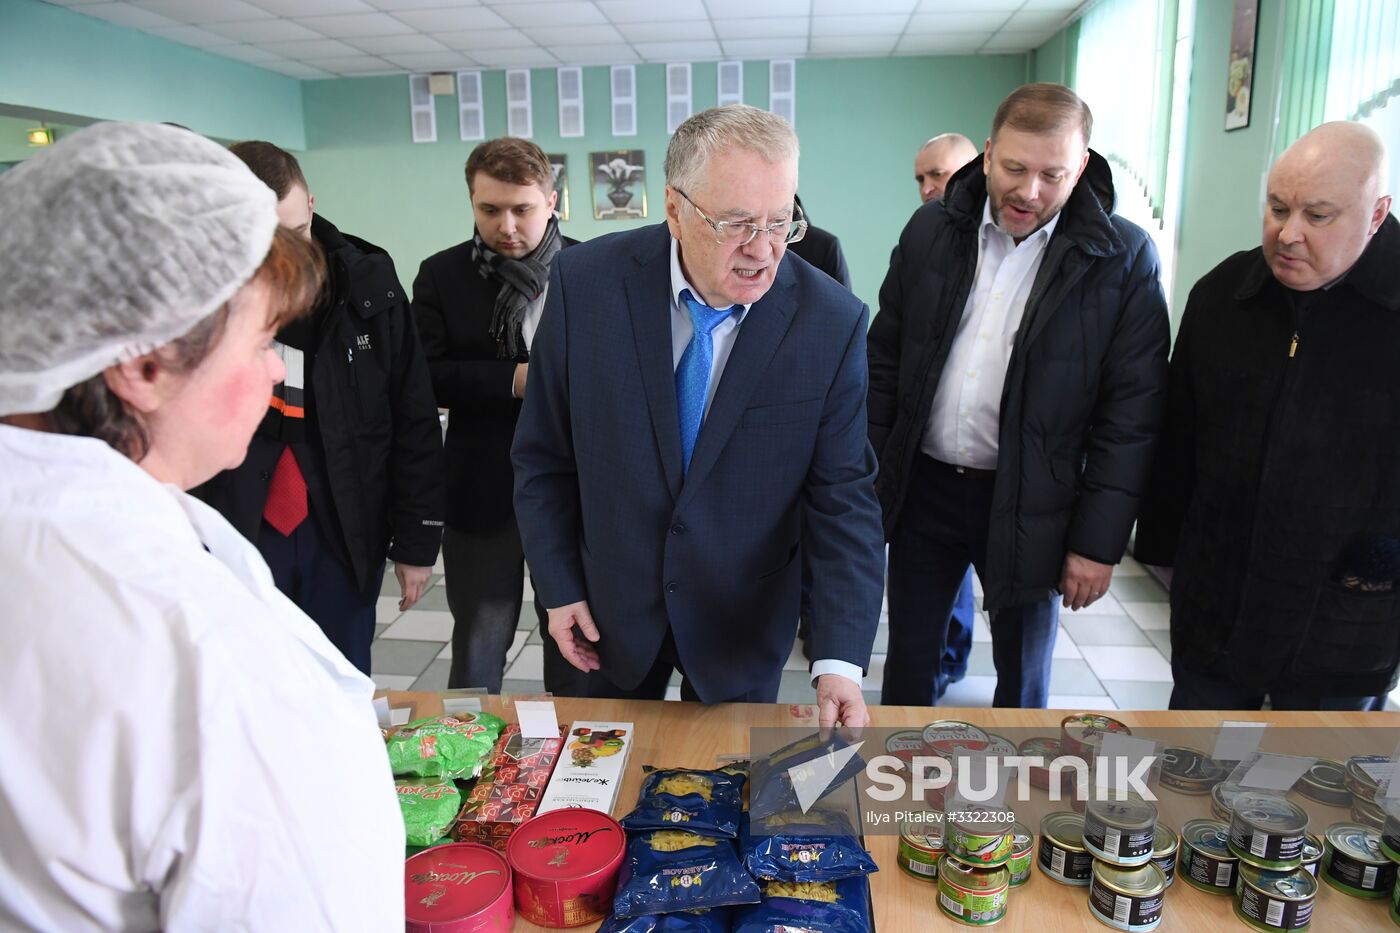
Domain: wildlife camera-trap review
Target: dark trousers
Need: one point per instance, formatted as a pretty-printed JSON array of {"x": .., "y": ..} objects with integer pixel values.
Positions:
[
  {"x": 941, "y": 530},
  {"x": 653, "y": 685},
  {"x": 305, "y": 568},
  {"x": 1212, "y": 688},
  {"x": 958, "y": 646}
]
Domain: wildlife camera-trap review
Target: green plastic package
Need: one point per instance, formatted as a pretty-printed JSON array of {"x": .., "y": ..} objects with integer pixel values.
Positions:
[
  {"x": 444, "y": 746},
  {"x": 429, "y": 807}
]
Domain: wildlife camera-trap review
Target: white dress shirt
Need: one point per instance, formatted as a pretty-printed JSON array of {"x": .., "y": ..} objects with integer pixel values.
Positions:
[
  {"x": 724, "y": 335},
  {"x": 962, "y": 425}
]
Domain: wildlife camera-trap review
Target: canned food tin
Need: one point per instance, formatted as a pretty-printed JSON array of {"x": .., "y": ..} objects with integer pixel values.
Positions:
[
  {"x": 1062, "y": 855},
  {"x": 1267, "y": 831},
  {"x": 1368, "y": 813},
  {"x": 1390, "y": 838},
  {"x": 1081, "y": 733},
  {"x": 1164, "y": 849},
  {"x": 1312, "y": 854},
  {"x": 1120, "y": 832},
  {"x": 920, "y": 848},
  {"x": 1353, "y": 862},
  {"x": 565, "y": 864},
  {"x": 1222, "y": 800},
  {"x": 999, "y": 745},
  {"x": 1127, "y": 898},
  {"x": 1206, "y": 860},
  {"x": 1366, "y": 774},
  {"x": 1022, "y": 852},
  {"x": 979, "y": 835},
  {"x": 1395, "y": 904},
  {"x": 1190, "y": 771},
  {"x": 905, "y": 745},
  {"x": 1041, "y": 747},
  {"x": 1325, "y": 782},
  {"x": 947, "y": 736},
  {"x": 458, "y": 888},
  {"x": 1275, "y": 900},
  {"x": 971, "y": 895}
]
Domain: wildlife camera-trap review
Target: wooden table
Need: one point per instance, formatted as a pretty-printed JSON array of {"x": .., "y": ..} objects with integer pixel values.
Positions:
[{"x": 692, "y": 735}]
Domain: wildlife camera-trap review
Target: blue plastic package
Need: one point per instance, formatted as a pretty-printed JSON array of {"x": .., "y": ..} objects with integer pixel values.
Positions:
[
  {"x": 820, "y": 845},
  {"x": 826, "y": 907},
  {"x": 686, "y": 921},
  {"x": 772, "y": 789},
  {"x": 697, "y": 801},
  {"x": 670, "y": 870}
]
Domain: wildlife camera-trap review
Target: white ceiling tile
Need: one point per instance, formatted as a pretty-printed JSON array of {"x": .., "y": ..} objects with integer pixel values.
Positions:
[
  {"x": 396, "y": 45},
  {"x": 968, "y": 6},
  {"x": 877, "y": 24},
  {"x": 853, "y": 45},
  {"x": 650, "y": 11},
  {"x": 762, "y": 27},
  {"x": 470, "y": 39},
  {"x": 392, "y": 6},
  {"x": 677, "y": 51},
  {"x": 595, "y": 54},
  {"x": 199, "y": 12},
  {"x": 515, "y": 58},
  {"x": 313, "y": 7},
  {"x": 1014, "y": 42},
  {"x": 1069, "y": 6},
  {"x": 247, "y": 53},
  {"x": 296, "y": 70},
  {"x": 571, "y": 13},
  {"x": 733, "y": 9},
  {"x": 432, "y": 21},
  {"x": 948, "y": 43},
  {"x": 431, "y": 61},
  {"x": 355, "y": 25},
  {"x": 310, "y": 49},
  {"x": 191, "y": 35},
  {"x": 837, "y": 7},
  {"x": 263, "y": 30},
  {"x": 934, "y": 23},
  {"x": 355, "y": 65},
  {"x": 573, "y": 35},
  {"x": 667, "y": 32},
  {"x": 122, "y": 14},
  {"x": 1037, "y": 20},
  {"x": 764, "y": 48}
]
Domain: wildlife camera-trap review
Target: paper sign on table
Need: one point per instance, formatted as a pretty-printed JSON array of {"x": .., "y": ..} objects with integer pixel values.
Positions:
[
  {"x": 537, "y": 719},
  {"x": 381, "y": 712},
  {"x": 1131, "y": 752},
  {"x": 1236, "y": 741},
  {"x": 399, "y": 716},
  {"x": 453, "y": 705},
  {"x": 1276, "y": 772}
]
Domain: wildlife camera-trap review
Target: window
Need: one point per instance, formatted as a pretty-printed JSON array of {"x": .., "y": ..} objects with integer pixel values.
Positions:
[
  {"x": 678, "y": 98},
  {"x": 782, "y": 89},
  {"x": 470, "y": 116},
  {"x": 519, "y": 116},
  {"x": 731, "y": 83},
  {"x": 422, "y": 109},
  {"x": 571, "y": 101},
  {"x": 624, "y": 100}
]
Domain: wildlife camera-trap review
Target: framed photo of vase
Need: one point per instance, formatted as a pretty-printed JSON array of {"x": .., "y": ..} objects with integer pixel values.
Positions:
[
  {"x": 560, "y": 164},
  {"x": 619, "y": 184},
  {"x": 1239, "y": 77}
]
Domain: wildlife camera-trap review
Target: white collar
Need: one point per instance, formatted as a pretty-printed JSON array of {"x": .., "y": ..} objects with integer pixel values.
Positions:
[{"x": 679, "y": 283}]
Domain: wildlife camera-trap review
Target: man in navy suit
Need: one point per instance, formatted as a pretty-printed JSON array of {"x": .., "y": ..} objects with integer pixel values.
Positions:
[{"x": 695, "y": 432}]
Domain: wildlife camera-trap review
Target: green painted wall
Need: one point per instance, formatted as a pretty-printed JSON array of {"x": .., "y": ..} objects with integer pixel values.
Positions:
[
  {"x": 860, "y": 122},
  {"x": 14, "y": 146},
  {"x": 1054, "y": 61},
  {"x": 56, "y": 60}
]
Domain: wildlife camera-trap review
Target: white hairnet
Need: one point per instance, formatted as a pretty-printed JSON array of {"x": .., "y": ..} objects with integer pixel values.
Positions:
[{"x": 118, "y": 239}]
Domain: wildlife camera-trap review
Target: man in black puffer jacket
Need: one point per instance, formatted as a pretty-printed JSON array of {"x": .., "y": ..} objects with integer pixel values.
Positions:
[
  {"x": 1018, "y": 372},
  {"x": 346, "y": 467}
]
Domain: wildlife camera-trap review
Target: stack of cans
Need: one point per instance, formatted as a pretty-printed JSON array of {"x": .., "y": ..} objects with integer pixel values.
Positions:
[
  {"x": 1127, "y": 886},
  {"x": 974, "y": 878},
  {"x": 1268, "y": 835}
]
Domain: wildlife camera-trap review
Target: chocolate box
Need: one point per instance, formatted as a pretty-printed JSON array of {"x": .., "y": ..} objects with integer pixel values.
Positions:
[{"x": 509, "y": 789}]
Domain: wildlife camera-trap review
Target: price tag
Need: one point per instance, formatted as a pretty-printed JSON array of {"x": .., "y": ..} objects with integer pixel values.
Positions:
[
  {"x": 1236, "y": 741},
  {"x": 537, "y": 719},
  {"x": 454, "y": 705},
  {"x": 1276, "y": 772},
  {"x": 399, "y": 716},
  {"x": 381, "y": 712},
  {"x": 1124, "y": 756}
]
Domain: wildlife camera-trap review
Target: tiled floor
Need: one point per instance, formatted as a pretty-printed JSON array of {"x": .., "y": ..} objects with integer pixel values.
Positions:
[{"x": 1113, "y": 655}]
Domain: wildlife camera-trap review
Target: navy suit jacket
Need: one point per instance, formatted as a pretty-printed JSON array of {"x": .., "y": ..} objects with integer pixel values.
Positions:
[{"x": 782, "y": 472}]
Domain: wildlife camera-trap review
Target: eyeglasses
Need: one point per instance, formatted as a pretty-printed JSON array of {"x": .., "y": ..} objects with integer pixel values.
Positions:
[{"x": 740, "y": 233}]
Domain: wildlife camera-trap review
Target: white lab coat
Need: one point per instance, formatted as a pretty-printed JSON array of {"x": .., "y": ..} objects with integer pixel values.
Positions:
[{"x": 180, "y": 747}]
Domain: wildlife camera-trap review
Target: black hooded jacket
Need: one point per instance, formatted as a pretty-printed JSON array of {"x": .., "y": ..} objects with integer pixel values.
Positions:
[{"x": 1085, "y": 388}]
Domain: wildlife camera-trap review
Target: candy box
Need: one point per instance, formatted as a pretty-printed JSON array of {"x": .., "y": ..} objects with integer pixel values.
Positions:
[{"x": 509, "y": 789}]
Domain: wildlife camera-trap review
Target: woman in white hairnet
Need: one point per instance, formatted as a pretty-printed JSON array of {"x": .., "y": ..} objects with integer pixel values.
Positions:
[{"x": 180, "y": 747}]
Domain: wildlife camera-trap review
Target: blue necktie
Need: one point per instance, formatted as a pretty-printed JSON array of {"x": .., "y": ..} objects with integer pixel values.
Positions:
[{"x": 693, "y": 373}]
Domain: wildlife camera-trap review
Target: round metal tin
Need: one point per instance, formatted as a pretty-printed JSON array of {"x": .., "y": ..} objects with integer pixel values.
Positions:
[
  {"x": 1081, "y": 733},
  {"x": 1325, "y": 782},
  {"x": 947, "y": 736},
  {"x": 920, "y": 848},
  {"x": 1353, "y": 862},
  {"x": 1164, "y": 848},
  {"x": 1190, "y": 771},
  {"x": 978, "y": 835},
  {"x": 1395, "y": 904},
  {"x": 1041, "y": 747},
  {"x": 565, "y": 864},
  {"x": 1312, "y": 854},
  {"x": 1206, "y": 861},
  {"x": 1390, "y": 838},
  {"x": 1120, "y": 832},
  {"x": 1000, "y": 745},
  {"x": 1368, "y": 813},
  {"x": 458, "y": 888},
  {"x": 1127, "y": 898},
  {"x": 1365, "y": 774},
  {"x": 1062, "y": 855},
  {"x": 1267, "y": 831},
  {"x": 1222, "y": 800},
  {"x": 970, "y": 895},
  {"x": 905, "y": 745},
  {"x": 1275, "y": 900},
  {"x": 1022, "y": 854}
]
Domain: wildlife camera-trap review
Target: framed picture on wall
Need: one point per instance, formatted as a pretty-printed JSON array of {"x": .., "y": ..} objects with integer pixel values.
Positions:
[
  {"x": 560, "y": 163},
  {"x": 619, "y": 184},
  {"x": 1239, "y": 78}
]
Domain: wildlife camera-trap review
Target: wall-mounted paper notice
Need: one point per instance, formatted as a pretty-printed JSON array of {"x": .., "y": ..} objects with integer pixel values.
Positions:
[
  {"x": 1123, "y": 756},
  {"x": 537, "y": 719},
  {"x": 1236, "y": 741},
  {"x": 381, "y": 711},
  {"x": 1276, "y": 772}
]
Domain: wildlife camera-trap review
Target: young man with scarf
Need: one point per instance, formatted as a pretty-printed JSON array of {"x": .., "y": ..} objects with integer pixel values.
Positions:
[
  {"x": 478, "y": 305},
  {"x": 346, "y": 467}
]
